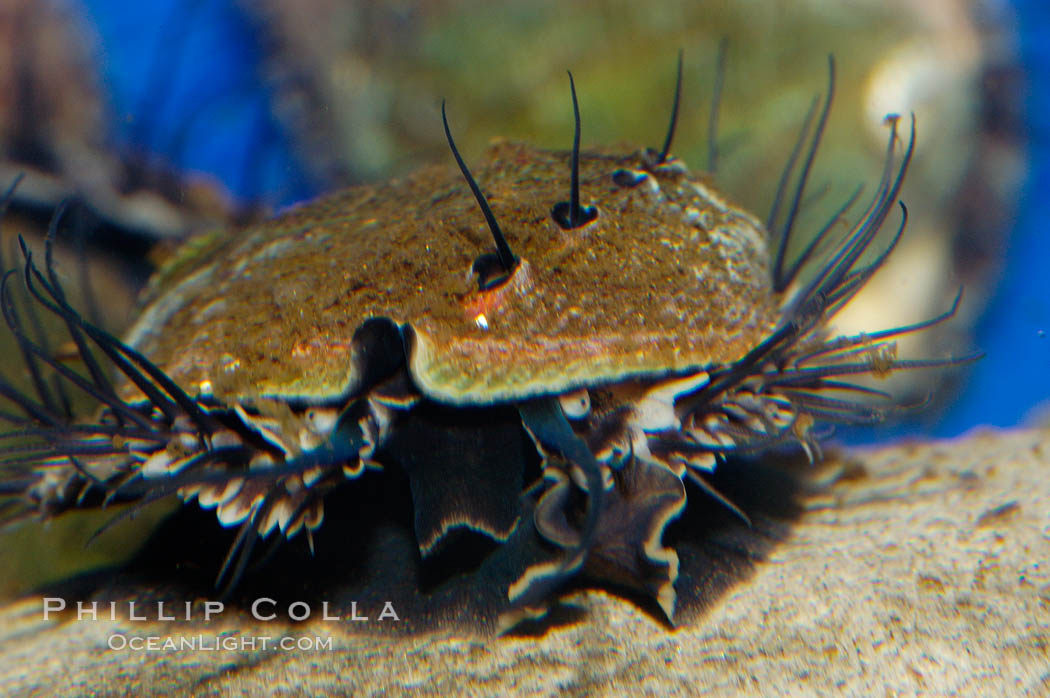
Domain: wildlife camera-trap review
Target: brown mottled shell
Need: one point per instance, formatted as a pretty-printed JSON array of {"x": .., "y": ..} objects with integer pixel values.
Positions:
[{"x": 669, "y": 278}]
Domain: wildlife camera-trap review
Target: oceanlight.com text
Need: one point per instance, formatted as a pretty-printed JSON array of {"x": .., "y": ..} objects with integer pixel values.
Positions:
[{"x": 218, "y": 643}]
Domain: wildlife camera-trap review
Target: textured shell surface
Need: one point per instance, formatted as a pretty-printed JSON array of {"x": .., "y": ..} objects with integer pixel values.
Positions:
[{"x": 669, "y": 278}]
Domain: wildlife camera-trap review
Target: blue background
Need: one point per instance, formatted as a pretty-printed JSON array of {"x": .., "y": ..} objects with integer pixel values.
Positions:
[
  {"x": 200, "y": 103},
  {"x": 1014, "y": 376}
]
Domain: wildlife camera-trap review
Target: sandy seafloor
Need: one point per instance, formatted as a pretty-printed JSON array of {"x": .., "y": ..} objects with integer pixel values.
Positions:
[{"x": 925, "y": 572}]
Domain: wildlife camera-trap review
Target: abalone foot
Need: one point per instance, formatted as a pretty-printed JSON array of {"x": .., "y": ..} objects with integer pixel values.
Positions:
[{"x": 367, "y": 553}]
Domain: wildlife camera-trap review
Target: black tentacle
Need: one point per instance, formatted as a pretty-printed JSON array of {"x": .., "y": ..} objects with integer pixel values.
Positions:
[
  {"x": 107, "y": 398},
  {"x": 506, "y": 257},
  {"x": 29, "y": 360},
  {"x": 97, "y": 374},
  {"x": 783, "y": 235},
  {"x": 789, "y": 169},
  {"x": 570, "y": 214},
  {"x": 666, "y": 149},
  {"x": 110, "y": 348},
  {"x": 241, "y": 549},
  {"x": 814, "y": 246}
]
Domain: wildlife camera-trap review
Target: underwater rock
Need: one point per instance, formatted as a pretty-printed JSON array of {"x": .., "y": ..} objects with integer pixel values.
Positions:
[{"x": 915, "y": 568}]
